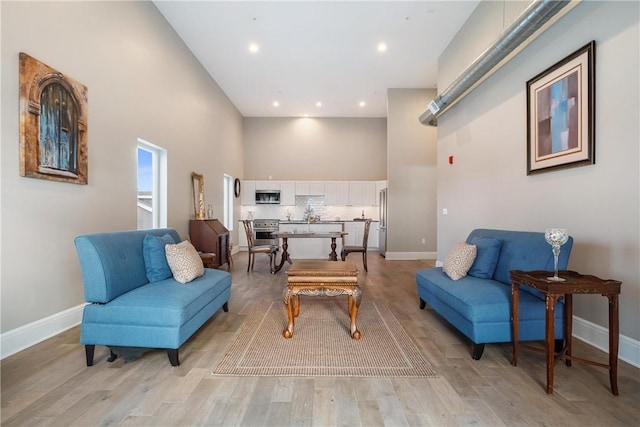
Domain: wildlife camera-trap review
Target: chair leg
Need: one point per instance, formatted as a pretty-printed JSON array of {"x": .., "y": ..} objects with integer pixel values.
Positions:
[
  {"x": 343, "y": 255},
  {"x": 249, "y": 264},
  {"x": 364, "y": 261}
]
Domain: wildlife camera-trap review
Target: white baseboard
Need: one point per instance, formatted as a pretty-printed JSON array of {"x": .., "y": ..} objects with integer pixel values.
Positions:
[
  {"x": 597, "y": 336},
  {"x": 406, "y": 256},
  {"x": 16, "y": 340}
]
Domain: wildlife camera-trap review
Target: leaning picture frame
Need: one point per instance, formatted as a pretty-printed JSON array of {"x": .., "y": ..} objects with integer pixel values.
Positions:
[
  {"x": 197, "y": 183},
  {"x": 561, "y": 114}
]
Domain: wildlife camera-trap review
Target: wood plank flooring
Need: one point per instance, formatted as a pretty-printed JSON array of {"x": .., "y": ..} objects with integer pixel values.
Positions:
[{"x": 49, "y": 384}]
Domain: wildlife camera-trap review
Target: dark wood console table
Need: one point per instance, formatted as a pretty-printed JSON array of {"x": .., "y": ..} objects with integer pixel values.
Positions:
[
  {"x": 210, "y": 236},
  {"x": 574, "y": 283}
]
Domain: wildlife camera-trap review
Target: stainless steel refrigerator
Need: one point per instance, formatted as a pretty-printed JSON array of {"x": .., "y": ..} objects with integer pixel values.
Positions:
[{"x": 382, "y": 231}]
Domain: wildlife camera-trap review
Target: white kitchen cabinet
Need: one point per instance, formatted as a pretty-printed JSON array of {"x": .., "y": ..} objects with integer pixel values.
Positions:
[
  {"x": 268, "y": 185},
  {"x": 316, "y": 188},
  {"x": 309, "y": 188},
  {"x": 374, "y": 236},
  {"x": 369, "y": 194},
  {"x": 242, "y": 237},
  {"x": 248, "y": 193},
  {"x": 354, "y": 229},
  {"x": 336, "y": 193},
  {"x": 302, "y": 188},
  {"x": 362, "y": 193},
  {"x": 312, "y": 247},
  {"x": 288, "y": 193},
  {"x": 356, "y": 234}
]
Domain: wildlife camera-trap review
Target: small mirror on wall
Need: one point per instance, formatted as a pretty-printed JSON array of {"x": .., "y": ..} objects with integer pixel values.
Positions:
[{"x": 198, "y": 195}]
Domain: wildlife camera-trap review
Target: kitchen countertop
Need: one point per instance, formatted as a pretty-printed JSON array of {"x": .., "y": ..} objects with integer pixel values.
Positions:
[{"x": 299, "y": 221}]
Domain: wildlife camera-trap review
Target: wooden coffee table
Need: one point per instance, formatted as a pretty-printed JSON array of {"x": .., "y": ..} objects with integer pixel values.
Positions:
[{"x": 321, "y": 278}]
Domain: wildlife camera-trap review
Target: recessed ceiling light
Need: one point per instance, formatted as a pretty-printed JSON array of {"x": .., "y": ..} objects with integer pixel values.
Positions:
[
  {"x": 276, "y": 104},
  {"x": 254, "y": 48},
  {"x": 382, "y": 47},
  {"x": 362, "y": 103},
  {"x": 318, "y": 104}
]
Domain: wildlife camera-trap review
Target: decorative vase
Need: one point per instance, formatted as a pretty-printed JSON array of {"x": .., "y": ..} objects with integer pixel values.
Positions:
[{"x": 556, "y": 237}]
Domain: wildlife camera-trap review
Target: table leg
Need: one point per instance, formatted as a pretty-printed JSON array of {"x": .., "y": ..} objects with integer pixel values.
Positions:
[
  {"x": 568, "y": 326},
  {"x": 296, "y": 305},
  {"x": 288, "y": 301},
  {"x": 614, "y": 337},
  {"x": 354, "y": 304},
  {"x": 284, "y": 257},
  {"x": 514, "y": 322},
  {"x": 550, "y": 334},
  {"x": 333, "y": 256}
]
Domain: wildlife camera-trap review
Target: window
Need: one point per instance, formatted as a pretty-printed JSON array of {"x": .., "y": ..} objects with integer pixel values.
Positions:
[
  {"x": 152, "y": 186},
  {"x": 228, "y": 202}
]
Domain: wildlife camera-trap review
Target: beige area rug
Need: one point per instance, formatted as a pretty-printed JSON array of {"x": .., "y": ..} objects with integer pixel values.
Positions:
[{"x": 321, "y": 344}]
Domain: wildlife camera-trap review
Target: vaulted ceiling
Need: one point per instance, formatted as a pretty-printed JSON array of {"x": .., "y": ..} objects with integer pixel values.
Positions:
[{"x": 317, "y": 58}]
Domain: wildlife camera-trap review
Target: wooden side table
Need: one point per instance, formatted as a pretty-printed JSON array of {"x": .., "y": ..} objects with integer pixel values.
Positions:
[{"x": 574, "y": 283}]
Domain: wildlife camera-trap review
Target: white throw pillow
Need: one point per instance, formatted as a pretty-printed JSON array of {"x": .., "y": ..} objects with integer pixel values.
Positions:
[
  {"x": 184, "y": 261},
  {"x": 459, "y": 260}
]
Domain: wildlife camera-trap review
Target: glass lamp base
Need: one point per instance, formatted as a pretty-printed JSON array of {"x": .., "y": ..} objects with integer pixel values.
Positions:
[{"x": 556, "y": 279}]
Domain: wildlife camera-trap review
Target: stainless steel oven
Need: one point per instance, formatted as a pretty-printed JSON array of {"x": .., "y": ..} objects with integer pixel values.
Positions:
[{"x": 263, "y": 229}]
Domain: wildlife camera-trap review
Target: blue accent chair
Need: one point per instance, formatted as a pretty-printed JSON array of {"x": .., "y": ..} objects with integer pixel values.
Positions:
[
  {"x": 479, "y": 305},
  {"x": 126, "y": 310}
]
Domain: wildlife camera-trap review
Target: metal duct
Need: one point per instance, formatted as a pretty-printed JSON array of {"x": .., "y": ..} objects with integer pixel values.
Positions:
[{"x": 539, "y": 15}]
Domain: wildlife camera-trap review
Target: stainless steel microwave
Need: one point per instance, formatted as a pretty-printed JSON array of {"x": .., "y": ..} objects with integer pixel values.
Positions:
[{"x": 267, "y": 197}]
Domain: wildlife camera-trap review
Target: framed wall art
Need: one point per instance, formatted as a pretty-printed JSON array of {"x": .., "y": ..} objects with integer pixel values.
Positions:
[
  {"x": 561, "y": 114},
  {"x": 53, "y": 124}
]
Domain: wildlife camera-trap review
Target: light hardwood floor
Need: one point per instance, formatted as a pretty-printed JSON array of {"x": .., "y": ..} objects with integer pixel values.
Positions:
[{"x": 49, "y": 384}]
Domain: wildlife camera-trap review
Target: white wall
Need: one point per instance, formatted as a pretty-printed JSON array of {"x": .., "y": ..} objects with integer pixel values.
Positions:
[
  {"x": 486, "y": 132},
  {"x": 306, "y": 148},
  {"x": 142, "y": 83}
]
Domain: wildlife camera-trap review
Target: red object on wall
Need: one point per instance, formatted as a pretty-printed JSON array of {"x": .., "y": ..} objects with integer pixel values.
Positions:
[{"x": 450, "y": 160}]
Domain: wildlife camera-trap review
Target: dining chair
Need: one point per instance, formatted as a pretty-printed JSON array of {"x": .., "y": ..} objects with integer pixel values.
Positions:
[
  {"x": 346, "y": 250},
  {"x": 258, "y": 249}
]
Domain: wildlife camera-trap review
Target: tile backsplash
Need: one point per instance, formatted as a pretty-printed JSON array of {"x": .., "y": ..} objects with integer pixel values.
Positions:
[{"x": 316, "y": 203}]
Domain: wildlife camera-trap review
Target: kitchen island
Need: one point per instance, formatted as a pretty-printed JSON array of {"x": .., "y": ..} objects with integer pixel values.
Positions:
[
  {"x": 317, "y": 248},
  {"x": 312, "y": 247},
  {"x": 308, "y": 236}
]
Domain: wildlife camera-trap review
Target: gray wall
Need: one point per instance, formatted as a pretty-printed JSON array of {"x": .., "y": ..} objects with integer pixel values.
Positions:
[
  {"x": 411, "y": 168},
  {"x": 488, "y": 187},
  {"x": 315, "y": 148},
  {"x": 143, "y": 83}
]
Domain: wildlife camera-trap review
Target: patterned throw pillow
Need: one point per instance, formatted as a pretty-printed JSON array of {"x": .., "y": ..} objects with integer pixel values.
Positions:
[
  {"x": 184, "y": 261},
  {"x": 459, "y": 260}
]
